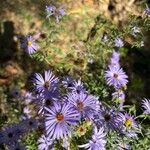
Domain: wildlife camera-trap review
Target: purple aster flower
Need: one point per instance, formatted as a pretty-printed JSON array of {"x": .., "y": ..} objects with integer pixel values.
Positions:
[
  {"x": 97, "y": 141},
  {"x": 77, "y": 87},
  {"x": 115, "y": 56},
  {"x": 61, "y": 11},
  {"x": 45, "y": 143},
  {"x": 116, "y": 76},
  {"x": 27, "y": 97},
  {"x": 68, "y": 82},
  {"x": 146, "y": 105},
  {"x": 114, "y": 61},
  {"x": 16, "y": 146},
  {"x": 86, "y": 104},
  {"x": 28, "y": 124},
  {"x": 38, "y": 101},
  {"x": 58, "y": 13},
  {"x": 118, "y": 42},
  {"x": 11, "y": 134},
  {"x": 106, "y": 117},
  {"x": 60, "y": 119},
  {"x": 29, "y": 44},
  {"x": 46, "y": 100},
  {"x": 50, "y": 10},
  {"x": 47, "y": 83},
  {"x": 127, "y": 124}
]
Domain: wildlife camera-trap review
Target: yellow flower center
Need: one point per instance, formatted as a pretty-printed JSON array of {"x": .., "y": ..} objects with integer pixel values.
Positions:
[
  {"x": 128, "y": 122},
  {"x": 29, "y": 43},
  {"x": 82, "y": 130}
]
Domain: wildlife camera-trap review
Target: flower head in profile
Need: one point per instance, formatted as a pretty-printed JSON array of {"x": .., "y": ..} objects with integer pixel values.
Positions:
[
  {"x": 114, "y": 61},
  {"x": 146, "y": 105},
  {"x": 77, "y": 87},
  {"x": 116, "y": 77},
  {"x": 58, "y": 13},
  {"x": 47, "y": 83},
  {"x": 29, "y": 45},
  {"x": 27, "y": 112},
  {"x": 67, "y": 82},
  {"x": 84, "y": 103},
  {"x": 118, "y": 42},
  {"x": 147, "y": 10},
  {"x": 45, "y": 143},
  {"x": 127, "y": 124},
  {"x": 119, "y": 97},
  {"x": 97, "y": 141},
  {"x": 60, "y": 119},
  {"x": 115, "y": 56}
]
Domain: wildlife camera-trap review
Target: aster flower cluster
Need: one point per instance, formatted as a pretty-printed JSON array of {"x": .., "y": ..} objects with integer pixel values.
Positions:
[
  {"x": 116, "y": 77},
  {"x": 65, "y": 110},
  {"x": 62, "y": 112}
]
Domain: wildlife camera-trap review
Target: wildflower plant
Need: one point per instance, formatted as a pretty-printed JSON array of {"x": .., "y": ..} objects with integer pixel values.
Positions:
[{"x": 88, "y": 111}]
